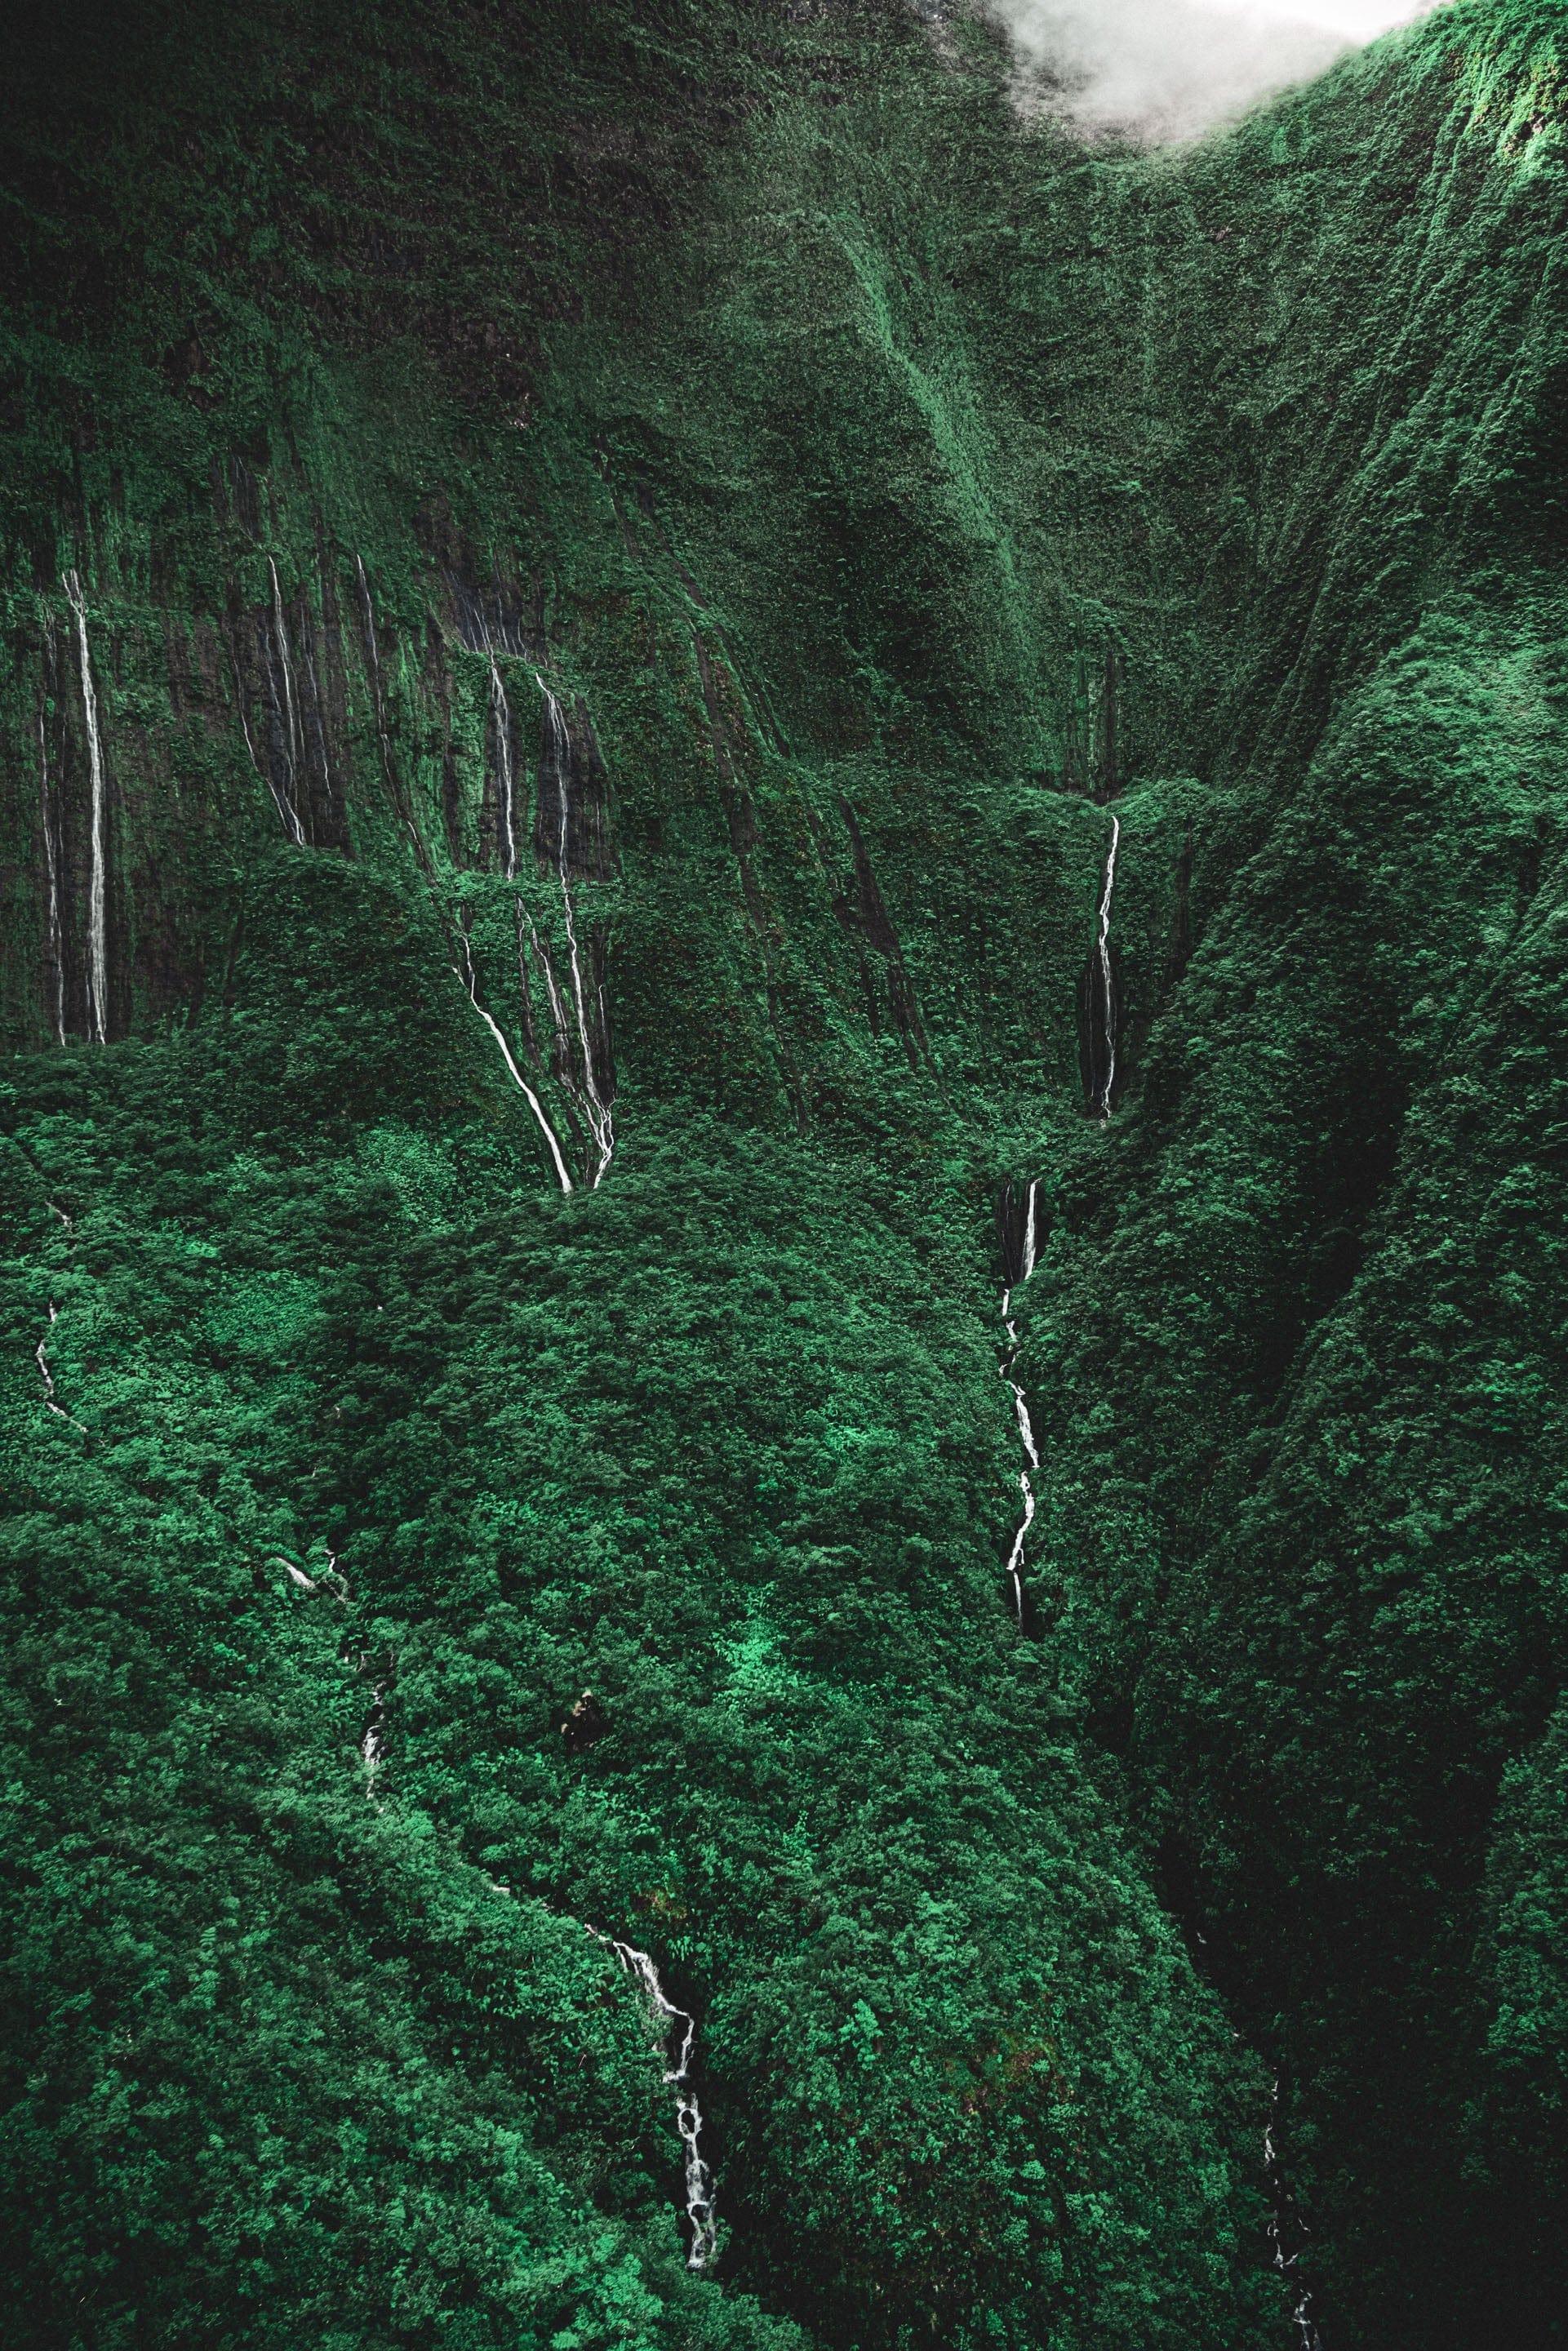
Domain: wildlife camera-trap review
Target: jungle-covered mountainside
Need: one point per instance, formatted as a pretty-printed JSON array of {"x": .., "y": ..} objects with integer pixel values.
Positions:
[{"x": 678, "y": 698}]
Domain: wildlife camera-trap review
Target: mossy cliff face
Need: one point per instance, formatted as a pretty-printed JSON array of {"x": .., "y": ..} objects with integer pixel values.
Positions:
[{"x": 585, "y": 591}]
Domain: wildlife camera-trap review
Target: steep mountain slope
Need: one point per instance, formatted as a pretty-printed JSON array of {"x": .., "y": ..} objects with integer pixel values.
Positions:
[{"x": 589, "y": 597}]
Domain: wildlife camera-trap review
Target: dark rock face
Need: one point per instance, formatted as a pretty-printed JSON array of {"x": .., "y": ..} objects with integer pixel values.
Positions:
[{"x": 571, "y": 800}]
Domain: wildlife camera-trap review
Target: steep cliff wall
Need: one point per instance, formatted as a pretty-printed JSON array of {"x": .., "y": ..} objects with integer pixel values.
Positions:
[{"x": 587, "y": 594}]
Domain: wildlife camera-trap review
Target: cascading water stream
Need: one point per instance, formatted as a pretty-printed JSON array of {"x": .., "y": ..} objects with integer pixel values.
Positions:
[
  {"x": 41, "y": 1356},
  {"x": 561, "y": 1026},
  {"x": 52, "y": 867},
  {"x": 507, "y": 796},
  {"x": 595, "y": 1109},
  {"x": 679, "y": 2025},
  {"x": 545, "y": 962},
  {"x": 383, "y": 733},
  {"x": 1020, "y": 1405},
  {"x": 1107, "y": 985},
  {"x": 546, "y": 1129},
  {"x": 98, "y": 902},
  {"x": 1283, "y": 2219},
  {"x": 373, "y": 1739},
  {"x": 293, "y": 755},
  {"x": 284, "y": 814},
  {"x": 466, "y": 978}
]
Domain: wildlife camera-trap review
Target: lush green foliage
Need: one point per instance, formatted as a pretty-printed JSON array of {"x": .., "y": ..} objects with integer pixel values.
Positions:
[{"x": 882, "y": 488}]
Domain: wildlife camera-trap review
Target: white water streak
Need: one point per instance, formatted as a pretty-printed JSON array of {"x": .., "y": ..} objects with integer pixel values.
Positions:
[
  {"x": 98, "y": 903},
  {"x": 296, "y": 755},
  {"x": 1107, "y": 992},
  {"x": 1280, "y": 2210},
  {"x": 41, "y": 1356},
  {"x": 384, "y": 734},
  {"x": 557, "y": 1008},
  {"x": 546, "y": 1129},
  {"x": 503, "y": 718},
  {"x": 1021, "y": 1402},
  {"x": 372, "y": 1746},
  {"x": 677, "y": 2021},
  {"x": 595, "y": 1109},
  {"x": 51, "y": 861},
  {"x": 279, "y": 802}
]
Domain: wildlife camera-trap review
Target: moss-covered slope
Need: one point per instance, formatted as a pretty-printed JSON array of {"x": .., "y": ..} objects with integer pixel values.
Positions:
[{"x": 586, "y": 593}]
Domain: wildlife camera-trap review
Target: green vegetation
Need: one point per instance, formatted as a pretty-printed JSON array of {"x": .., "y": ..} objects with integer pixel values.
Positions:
[{"x": 628, "y": 560}]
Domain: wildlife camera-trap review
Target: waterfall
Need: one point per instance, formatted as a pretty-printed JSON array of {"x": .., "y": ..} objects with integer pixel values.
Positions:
[
  {"x": 383, "y": 735},
  {"x": 505, "y": 794},
  {"x": 1283, "y": 2217},
  {"x": 595, "y": 1109},
  {"x": 366, "y": 1664},
  {"x": 97, "y": 917},
  {"x": 545, "y": 962},
  {"x": 1021, "y": 1402},
  {"x": 52, "y": 864},
  {"x": 41, "y": 1356},
  {"x": 525, "y": 993},
  {"x": 294, "y": 750},
  {"x": 546, "y": 1129},
  {"x": 372, "y": 1746},
  {"x": 677, "y": 2024},
  {"x": 563, "y": 1059},
  {"x": 285, "y": 814},
  {"x": 1107, "y": 985}
]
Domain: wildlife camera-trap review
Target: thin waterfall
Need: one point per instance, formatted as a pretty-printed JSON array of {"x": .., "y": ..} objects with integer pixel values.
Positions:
[
  {"x": 545, "y": 962},
  {"x": 564, "y": 1056},
  {"x": 546, "y": 1129},
  {"x": 98, "y": 903},
  {"x": 678, "y": 2026},
  {"x": 41, "y": 1357},
  {"x": 595, "y": 1109},
  {"x": 384, "y": 734},
  {"x": 466, "y": 978},
  {"x": 52, "y": 865},
  {"x": 524, "y": 994},
  {"x": 506, "y": 792},
  {"x": 1283, "y": 2217},
  {"x": 373, "y": 1739},
  {"x": 284, "y": 813},
  {"x": 294, "y": 738},
  {"x": 1107, "y": 985},
  {"x": 1021, "y": 1402}
]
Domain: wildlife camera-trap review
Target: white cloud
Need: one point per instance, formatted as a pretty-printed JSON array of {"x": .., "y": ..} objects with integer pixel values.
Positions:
[
  {"x": 1171, "y": 68},
  {"x": 1356, "y": 20}
]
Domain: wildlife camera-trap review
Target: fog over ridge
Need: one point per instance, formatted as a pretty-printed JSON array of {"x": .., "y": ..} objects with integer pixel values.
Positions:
[{"x": 1170, "y": 70}]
